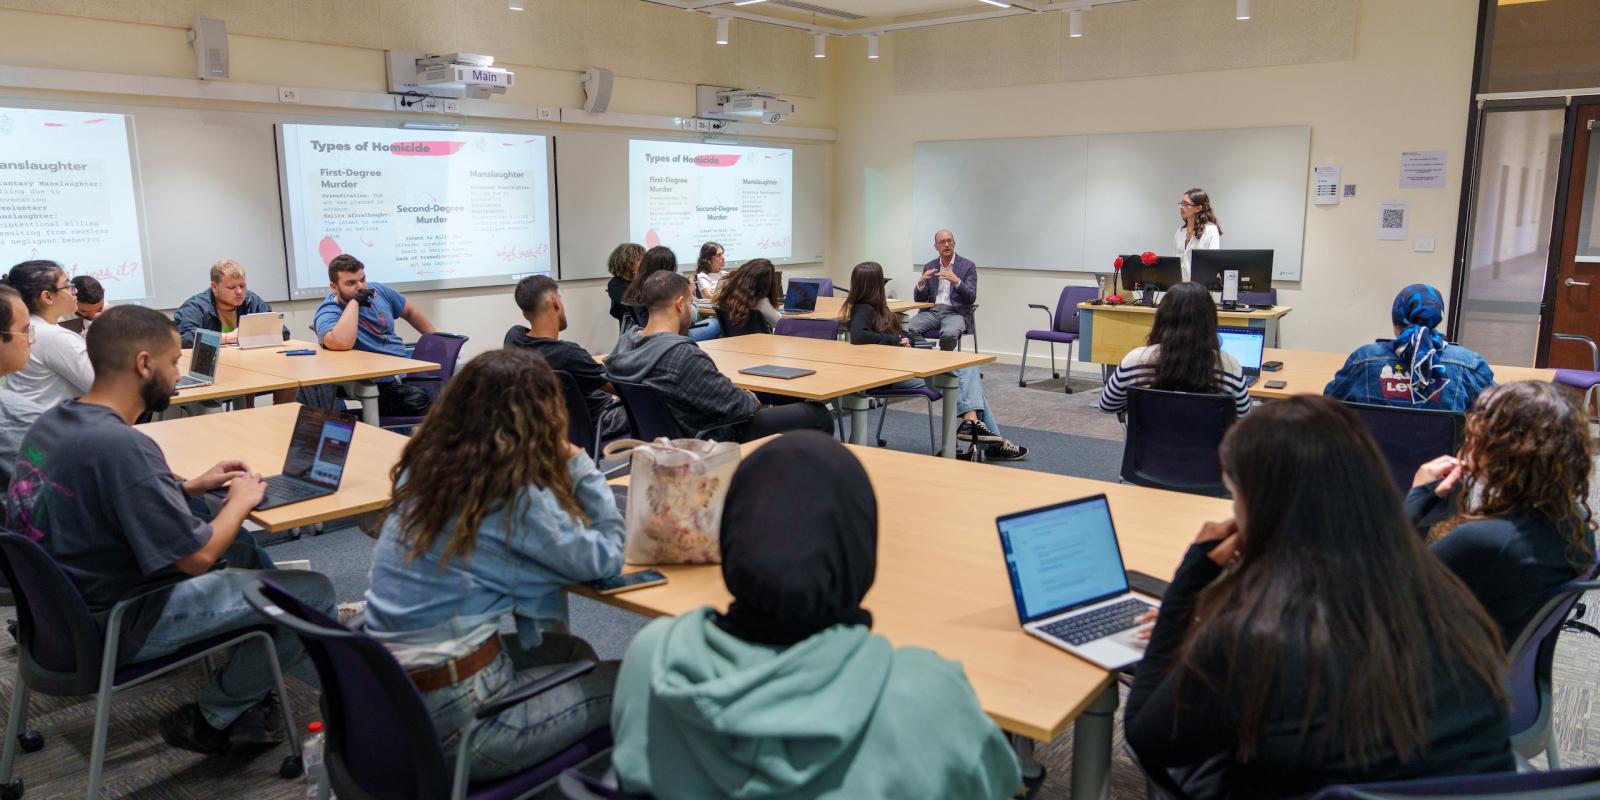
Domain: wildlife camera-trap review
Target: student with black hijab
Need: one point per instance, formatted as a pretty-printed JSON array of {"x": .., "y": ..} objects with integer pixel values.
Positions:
[{"x": 790, "y": 693}]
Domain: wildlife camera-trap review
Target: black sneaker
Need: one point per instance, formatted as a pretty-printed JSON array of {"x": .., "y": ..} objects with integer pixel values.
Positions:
[
  {"x": 262, "y": 723},
  {"x": 187, "y": 729},
  {"x": 1005, "y": 451},
  {"x": 973, "y": 430},
  {"x": 969, "y": 454}
]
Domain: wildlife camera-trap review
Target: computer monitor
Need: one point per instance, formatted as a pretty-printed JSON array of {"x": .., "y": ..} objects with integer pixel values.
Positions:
[
  {"x": 1254, "y": 266},
  {"x": 1161, "y": 276}
]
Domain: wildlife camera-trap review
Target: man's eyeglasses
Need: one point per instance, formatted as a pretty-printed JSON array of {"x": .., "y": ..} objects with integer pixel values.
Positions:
[{"x": 28, "y": 330}]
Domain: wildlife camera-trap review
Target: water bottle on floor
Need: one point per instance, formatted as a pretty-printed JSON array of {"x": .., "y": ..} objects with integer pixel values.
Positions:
[{"x": 317, "y": 787}]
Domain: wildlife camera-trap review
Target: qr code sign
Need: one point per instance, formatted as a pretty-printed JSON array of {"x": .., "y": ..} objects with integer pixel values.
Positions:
[{"x": 1392, "y": 219}]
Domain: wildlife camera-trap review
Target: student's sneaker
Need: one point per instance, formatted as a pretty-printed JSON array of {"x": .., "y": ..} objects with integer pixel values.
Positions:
[
  {"x": 261, "y": 723},
  {"x": 973, "y": 430},
  {"x": 969, "y": 454},
  {"x": 1005, "y": 451},
  {"x": 187, "y": 729}
]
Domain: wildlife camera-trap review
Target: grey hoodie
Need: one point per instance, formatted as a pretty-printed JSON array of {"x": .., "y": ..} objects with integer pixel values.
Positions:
[{"x": 698, "y": 395}]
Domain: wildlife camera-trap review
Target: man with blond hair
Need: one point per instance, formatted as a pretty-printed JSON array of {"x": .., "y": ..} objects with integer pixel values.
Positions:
[{"x": 220, "y": 307}]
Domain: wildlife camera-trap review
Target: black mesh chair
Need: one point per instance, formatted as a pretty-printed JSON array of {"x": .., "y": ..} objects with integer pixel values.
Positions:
[
  {"x": 1411, "y": 437},
  {"x": 1173, "y": 438},
  {"x": 649, "y": 418}
]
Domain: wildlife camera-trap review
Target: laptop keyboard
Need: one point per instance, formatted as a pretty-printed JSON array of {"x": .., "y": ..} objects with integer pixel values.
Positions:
[
  {"x": 283, "y": 490},
  {"x": 187, "y": 381},
  {"x": 1099, "y": 623}
]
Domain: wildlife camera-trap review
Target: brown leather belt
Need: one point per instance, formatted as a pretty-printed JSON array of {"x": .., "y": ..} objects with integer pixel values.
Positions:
[{"x": 457, "y": 670}]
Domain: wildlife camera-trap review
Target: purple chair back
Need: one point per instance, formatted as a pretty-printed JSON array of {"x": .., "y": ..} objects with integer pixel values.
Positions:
[
  {"x": 1067, "y": 306},
  {"x": 580, "y": 427},
  {"x": 1173, "y": 439},
  {"x": 808, "y": 328},
  {"x": 1508, "y": 785},
  {"x": 442, "y": 349},
  {"x": 824, "y": 285},
  {"x": 59, "y": 644},
  {"x": 1533, "y": 655},
  {"x": 649, "y": 418},
  {"x": 380, "y": 740},
  {"x": 1411, "y": 437}
]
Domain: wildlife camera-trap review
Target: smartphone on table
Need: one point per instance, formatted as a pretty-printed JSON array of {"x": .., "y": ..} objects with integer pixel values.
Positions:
[{"x": 628, "y": 582}]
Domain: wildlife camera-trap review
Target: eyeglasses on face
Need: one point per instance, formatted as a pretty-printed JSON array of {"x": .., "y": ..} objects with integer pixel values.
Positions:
[{"x": 28, "y": 330}]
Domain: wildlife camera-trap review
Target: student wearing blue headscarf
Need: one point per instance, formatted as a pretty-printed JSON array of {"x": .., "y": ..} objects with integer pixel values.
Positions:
[{"x": 1417, "y": 368}]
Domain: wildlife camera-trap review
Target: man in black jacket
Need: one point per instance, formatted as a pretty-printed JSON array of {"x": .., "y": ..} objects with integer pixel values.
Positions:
[
  {"x": 540, "y": 300},
  {"x": 219, "y": 307}
]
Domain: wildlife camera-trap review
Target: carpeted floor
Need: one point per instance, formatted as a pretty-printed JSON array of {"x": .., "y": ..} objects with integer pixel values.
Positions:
[{"x": 1065, "y": 433}]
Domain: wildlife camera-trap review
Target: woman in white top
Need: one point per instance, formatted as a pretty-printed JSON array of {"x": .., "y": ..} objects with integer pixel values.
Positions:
[
  {"x": 1182, "y": 354},
  {"x": 58, "y": 368},
  {"x": 708, "y": 270},
  {"x": 1199, "y": 230}
]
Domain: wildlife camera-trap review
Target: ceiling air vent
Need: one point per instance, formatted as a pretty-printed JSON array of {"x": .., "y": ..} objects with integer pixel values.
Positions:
[{"x": 812, "y": 8}]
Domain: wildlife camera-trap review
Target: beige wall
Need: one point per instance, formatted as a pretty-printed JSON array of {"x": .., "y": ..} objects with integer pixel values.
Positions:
[
  {"x": 1406, "y": 88},
  {"x": 279, "y": 42}
]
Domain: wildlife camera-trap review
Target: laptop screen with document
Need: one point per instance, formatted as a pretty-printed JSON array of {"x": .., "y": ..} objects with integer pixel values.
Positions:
[
  {"x": 1062, "y": 556},
  {"x": 319, "y": 447},
  {"x": 1245, "y": 345}
]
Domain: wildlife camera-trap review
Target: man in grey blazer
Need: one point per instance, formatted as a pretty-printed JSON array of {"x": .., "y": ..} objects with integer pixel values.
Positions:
[{"x": 950, "y": 283}]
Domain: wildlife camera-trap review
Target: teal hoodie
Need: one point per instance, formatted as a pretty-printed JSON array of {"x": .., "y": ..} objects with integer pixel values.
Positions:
[{"x": 701, "y": 713}]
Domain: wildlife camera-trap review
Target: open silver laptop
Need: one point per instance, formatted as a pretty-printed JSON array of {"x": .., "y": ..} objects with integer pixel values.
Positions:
[
  {"x": 203, "y": 363},
  {"x": 260, "y": 330},
  {"x": 1069, "y": 582}
]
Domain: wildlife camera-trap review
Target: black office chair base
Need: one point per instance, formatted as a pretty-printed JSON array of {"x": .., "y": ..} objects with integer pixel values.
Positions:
[
  {"x": 30, "y": 741},
  {"x": 12, "y": 790},
  {"x": 291, "y": 768}
]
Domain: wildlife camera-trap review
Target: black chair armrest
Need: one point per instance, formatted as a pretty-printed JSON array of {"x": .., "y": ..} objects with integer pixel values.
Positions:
[
  {"x": 1047, "y": 313},
  {"x": 706, "y": 433},
  {"x": 575, "y": 670}
]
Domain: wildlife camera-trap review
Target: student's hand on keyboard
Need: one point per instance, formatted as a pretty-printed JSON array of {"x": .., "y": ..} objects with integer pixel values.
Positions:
[
  {"x": 216, "y": 477},
  {"x": 1144, "y": 619},
  {"x": 247, "y": 488},
  {"x": 1226, "y": 532}
]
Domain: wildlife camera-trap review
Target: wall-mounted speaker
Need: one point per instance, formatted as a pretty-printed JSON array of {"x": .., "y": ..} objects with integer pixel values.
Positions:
[
  {"x": 596, "y": 90},
  {"x": 210, "y": 40}
]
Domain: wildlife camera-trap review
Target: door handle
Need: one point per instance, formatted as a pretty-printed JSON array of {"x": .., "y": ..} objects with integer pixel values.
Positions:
[{"x": 1571, "y": 282}]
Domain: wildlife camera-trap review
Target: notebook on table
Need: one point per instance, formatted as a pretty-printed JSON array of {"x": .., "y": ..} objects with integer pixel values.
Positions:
[
  {"x": 775, "y": 371},
  {"x": 1246, "y": 346}
]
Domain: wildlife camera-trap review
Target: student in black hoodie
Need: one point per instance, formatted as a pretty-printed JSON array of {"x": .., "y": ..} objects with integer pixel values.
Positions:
[
  {"x": 1312, "y": 639},
  {"x": 540, "y": 300}
]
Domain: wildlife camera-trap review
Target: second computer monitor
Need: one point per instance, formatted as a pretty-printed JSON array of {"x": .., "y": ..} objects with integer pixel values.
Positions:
[
  {"x": 1254, "y": 266},
  {"x": 1162, "y": 275}
]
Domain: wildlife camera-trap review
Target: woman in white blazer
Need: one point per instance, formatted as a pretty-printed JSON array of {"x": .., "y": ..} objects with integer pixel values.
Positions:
[{"x": 1199, "y": 230}]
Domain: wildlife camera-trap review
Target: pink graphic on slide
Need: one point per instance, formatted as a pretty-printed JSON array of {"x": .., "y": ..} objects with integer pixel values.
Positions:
[
  {"x": 716, "y": 160},
  {"x": 425, "y": 148},
  {"x": 95, "y": 121},
  {"x": 651, "y": 238},
  {"x": 328, "y": 249}
]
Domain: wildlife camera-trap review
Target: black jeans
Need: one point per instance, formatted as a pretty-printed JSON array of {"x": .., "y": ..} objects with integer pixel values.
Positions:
[{"x": 791, "y": 417}]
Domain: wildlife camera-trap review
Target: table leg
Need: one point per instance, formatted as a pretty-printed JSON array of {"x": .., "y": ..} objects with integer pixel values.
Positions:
[
  {"x": 367, "y": 393},
  {"x": 948, "y": 385},
  {"x": 1023, "y": 747},
  {"x": 857, "y": 406},
  {"x": 1091, "y": 747}
]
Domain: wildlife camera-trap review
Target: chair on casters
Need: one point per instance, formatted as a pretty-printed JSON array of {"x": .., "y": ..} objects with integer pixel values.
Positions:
[
  {"x": 380, "y": 740},
  {"x": 582, "y": 430},
  {"x": 1411, "y": 437},
  {"x": 1173, "y": 438},
  {"x": 1567, "y": 784},
  {"x": 1584, "y": 380},
  {"x": 1062, "y": 328},
  {"x": 443, "y": 349},
  {"x": 825, "y": 329},
  {"x": 1532, "y": 656},
  {"x": 971, "y": 320},
  {"x": 888, "y": 396},
  {"x": 824, "y": 285},
  {"x": 62, "y": 652},
  {"x": 649, "y": 418}
]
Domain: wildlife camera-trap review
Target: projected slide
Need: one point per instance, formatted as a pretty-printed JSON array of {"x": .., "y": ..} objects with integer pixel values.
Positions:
[
  {"x": 683, "y": 194},
  {"x": 438, "y": 208},
  {"x": 68, "y": 193}
]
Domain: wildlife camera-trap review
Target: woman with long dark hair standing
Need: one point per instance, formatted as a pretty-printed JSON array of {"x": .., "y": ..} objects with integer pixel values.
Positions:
[
  {"x": 748, "y": 300},
  {"x": 662, "y": 259},
  {"x": 1181, "y": 354},
  {"x": 494, "y": 511},
  {"x": 1524, "y": 526},
  {"x": 1312, "y": 639},
  {"x": 1200, "y": 229}
]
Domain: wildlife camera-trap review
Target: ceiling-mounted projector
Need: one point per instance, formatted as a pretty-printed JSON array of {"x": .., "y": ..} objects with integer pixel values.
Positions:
[
  {"x": 468, "y": 75},
  {"x": 721, "y": 102}
]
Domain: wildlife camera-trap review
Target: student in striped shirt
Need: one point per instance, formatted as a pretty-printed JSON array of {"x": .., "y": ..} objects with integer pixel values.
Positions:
[{"x": 1182, "y": 354}]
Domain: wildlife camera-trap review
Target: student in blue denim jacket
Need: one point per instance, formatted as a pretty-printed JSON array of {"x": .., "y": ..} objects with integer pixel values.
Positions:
[
  {"x": 1417, "y": 368},
  {"x": 494, "y": 511}
]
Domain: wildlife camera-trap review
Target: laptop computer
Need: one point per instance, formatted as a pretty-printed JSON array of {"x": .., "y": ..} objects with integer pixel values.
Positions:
[
  {"x": 1069, "y": 582},
  {"x": 775, "y": 371},
  {"x": 315, "y": 463},
  {"x": 260, "y": 330},
  {"x": 1245, "y": 345},
  {"x": 203, "y": 363},
  {"x": 801, "y": 298}
]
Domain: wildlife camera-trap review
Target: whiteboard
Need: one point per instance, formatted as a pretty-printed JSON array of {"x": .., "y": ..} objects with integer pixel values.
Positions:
[{"x": 1073, "y": 203}]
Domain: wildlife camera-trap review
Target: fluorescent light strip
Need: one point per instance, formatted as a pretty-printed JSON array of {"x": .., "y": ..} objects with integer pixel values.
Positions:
[
  {"x": 998, "y": 3},
  {"x": 748, "y": 2}
]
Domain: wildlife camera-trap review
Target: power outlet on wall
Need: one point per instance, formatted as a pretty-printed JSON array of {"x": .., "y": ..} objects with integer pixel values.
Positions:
[{"x": 288, "y": 94}]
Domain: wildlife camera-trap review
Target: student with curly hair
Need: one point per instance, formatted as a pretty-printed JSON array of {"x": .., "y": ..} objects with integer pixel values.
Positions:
[
  {"x": 748, "y": 300},
  {"x": 1524, "y": 526}
]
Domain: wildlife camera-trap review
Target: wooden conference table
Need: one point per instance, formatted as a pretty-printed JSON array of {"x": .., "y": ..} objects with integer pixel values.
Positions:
[
  {"x": 265, "y": 369},
  {"x": 260, "y": 437},
  {"x": 829, "y": 356},
  {"x": 1106, "y": 333},
  {"x": 1309, "y": 371},
  {"x": 941, "y": 584},
  {"x": 833, "y": 308}
]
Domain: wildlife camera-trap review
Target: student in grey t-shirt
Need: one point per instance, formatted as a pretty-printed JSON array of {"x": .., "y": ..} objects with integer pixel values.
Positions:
[
  {"x": 116, "y": 521},
  {"x": 17, "y": 413}
]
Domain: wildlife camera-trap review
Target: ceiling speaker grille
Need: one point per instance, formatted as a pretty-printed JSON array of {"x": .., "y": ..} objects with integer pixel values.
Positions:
[{"x": 816, "y": 9}]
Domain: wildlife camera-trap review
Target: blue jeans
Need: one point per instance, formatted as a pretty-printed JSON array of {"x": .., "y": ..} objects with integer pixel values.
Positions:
[
  {"x": 531, "y": 731},
  {"x": 212, "y": 604},
  {"x": 969, "y": 397},
  {"x": 712, "y": 329}
]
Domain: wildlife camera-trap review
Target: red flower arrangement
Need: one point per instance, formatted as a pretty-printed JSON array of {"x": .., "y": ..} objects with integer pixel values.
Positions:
[{"x": 1116, "y": 280}]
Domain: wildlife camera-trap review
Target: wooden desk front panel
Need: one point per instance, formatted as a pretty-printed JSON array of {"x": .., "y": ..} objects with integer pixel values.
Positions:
[{"x": 1111, "y": 332}]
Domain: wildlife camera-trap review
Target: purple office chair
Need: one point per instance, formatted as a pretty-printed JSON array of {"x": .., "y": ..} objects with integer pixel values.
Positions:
[
  {"x": 1173, "y": 438},
  {"x": 970, "y": 317},
  {"x": 1411, "y": 437},
  {"x": 62, "y": 651},
  {"x": 889, "y": 396},
  {"x": 381, "y": 743},
  {"x": 649, "y": 417},
  {"x": 1062, "y": 328},
  {"x": 826, "y": 329},
  {"x": 753, "y": 323},
  {"x": 1532, "y": 657},
  {"x": 1553, "y": 785},
  {"x": 443, "y": 349},
  {"x": 1584, "y": 380}
]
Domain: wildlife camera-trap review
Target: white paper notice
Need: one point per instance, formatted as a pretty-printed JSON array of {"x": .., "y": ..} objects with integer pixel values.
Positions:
[
  {"x": 1393, "y": 220},
  {"x": 1327, "y": 188},
  {"x": 1422, "y": 169}
]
